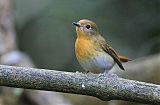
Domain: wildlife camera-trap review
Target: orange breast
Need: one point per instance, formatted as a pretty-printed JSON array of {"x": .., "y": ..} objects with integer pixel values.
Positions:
[{"x": 84, "y": 48}]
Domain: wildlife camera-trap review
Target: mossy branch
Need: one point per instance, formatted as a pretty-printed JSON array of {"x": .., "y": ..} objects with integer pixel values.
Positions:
[{"x": 105, "y": 87}]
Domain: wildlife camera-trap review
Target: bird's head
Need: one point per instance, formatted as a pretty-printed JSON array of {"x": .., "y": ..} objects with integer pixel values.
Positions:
[{"x": 86, "y": 27}]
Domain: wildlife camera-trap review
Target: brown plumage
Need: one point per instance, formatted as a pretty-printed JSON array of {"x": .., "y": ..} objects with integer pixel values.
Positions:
[{"x": 92, "y": 51}]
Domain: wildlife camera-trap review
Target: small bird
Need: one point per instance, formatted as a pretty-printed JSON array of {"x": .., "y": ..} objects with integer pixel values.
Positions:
[{"x": 92, "y": 51}]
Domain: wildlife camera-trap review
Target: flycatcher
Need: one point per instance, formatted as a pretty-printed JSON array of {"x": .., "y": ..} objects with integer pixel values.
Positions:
[{"x": 92, "y": 51}]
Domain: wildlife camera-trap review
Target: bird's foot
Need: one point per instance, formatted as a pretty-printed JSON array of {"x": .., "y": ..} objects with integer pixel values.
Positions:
[
  {"x": 108, "y": 74},
  {"x": 87, "y": 72}
]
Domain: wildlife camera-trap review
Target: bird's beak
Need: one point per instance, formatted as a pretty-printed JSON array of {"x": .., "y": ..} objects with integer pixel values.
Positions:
[{"x": 76, "y": 24}]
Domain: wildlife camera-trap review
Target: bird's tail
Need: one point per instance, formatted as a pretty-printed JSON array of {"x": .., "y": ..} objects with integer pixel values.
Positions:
[{"x": 123, "y": 58}]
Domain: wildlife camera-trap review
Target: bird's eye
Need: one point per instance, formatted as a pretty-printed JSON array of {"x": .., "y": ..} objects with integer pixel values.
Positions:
[{"x": 88, "y": 26}]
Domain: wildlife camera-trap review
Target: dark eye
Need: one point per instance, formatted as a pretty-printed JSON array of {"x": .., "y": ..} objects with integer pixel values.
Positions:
[{"x": 88, "y": 26}]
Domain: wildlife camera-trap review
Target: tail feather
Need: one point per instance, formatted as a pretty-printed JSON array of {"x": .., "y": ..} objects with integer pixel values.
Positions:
[{"x": 123, "y": 58}]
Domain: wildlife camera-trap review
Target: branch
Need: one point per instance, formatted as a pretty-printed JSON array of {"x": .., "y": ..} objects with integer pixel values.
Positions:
[{"x": 105, "y": 87}]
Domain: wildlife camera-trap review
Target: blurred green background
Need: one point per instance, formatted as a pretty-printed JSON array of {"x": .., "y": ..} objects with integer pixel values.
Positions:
[{"x": 45, "y": 31}]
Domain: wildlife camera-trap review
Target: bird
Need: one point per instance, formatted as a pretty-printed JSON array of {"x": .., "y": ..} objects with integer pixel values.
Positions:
[{"x": 93, "y": 53}]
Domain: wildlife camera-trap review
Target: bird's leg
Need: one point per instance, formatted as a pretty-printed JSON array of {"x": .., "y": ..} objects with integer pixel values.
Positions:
[
  {"x": 105, "y": 73},
  {"x": 87, "y": 72}
]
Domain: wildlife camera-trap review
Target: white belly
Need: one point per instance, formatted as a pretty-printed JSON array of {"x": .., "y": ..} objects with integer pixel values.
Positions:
[{"x": 98, "y": 64}]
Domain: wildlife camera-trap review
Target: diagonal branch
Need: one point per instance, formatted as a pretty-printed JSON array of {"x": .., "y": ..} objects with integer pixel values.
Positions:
[{"x": 105, "y": 87}]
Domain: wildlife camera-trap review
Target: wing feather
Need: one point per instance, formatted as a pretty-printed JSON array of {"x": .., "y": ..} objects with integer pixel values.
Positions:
[{"x": 108, "y": 49}]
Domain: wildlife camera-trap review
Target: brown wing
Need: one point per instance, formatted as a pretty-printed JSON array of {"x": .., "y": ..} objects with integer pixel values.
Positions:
[
  {"x": 111, "y": 52},
  {"x": 123, "y": 58}
]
